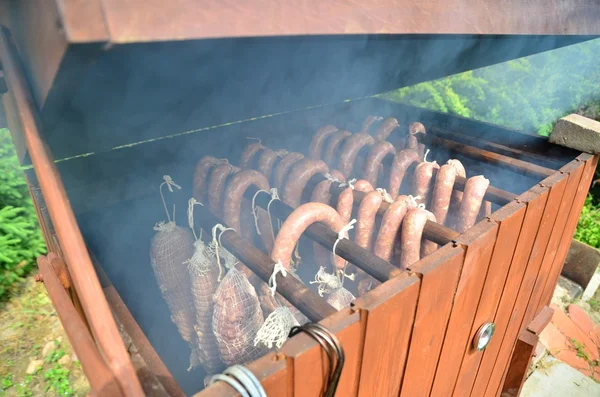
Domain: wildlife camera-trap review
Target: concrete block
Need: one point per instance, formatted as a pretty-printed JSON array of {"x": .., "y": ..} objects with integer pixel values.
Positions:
[
  {"x": 577, "y": 132},
  {"x": 581, "y": 263}
]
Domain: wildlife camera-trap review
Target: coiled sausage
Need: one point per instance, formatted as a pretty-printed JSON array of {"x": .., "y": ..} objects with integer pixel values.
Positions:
[
  {"x": 203, "y": 167},
  {"x": 385, "y": 129},
  {"x": 334, "y": 143},
  {"x": 379, "y": 151},
  {"x": 350, "y": 150},
  {"x": 295, "y": 224},
  {"x": 363, "y": 186},
  {"x": 369, "y": 121},
  {"x": 238, "y": 185},
  {"x": 410, "y": 239},
  {"x": 475, "y": 189},
  {"x": 442, "y": 192},
  {"x": 422, "y": 180},
  {"x": 216, "y": 187},
  {"x": 266, "y": 161},
  {"x": 390, "y": 226},
  {"x": 284, "y": 166},
  {"x": 301, "y": 173},
  {"x": 249, "y": 153},
  {"x": 457, "y": 195},
  {"x": 400, "y": 165},
  {"x": 319, "y": 138}
]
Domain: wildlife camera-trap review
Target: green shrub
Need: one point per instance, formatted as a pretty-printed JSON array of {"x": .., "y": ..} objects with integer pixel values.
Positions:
[
  {"x": 20, "y": 238},
  {"x": 588, "y": 228}
]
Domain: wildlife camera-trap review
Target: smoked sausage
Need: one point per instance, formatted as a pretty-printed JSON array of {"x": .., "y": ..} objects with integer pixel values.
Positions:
[
  {"x": 216, "y": 187},
  {"x": 332, "y": 146},
  {"x": 363, "y": 186},
  {"x": 457, "y": 195},
  {"x": 205, "y": 164},
  {"x": 295, "y": 224},
  {"x": 475, "y": 189},
  {"x": 442, "y": 192},
  {"x": 385, "y": 129},
  {"x": 400, "y": 165},
  {"x": 410, "y": 238},
  {"x": 301, "y": 173},
  {"x": 422, "y": 180},
  {"x": 284, "y": 166},
  {"x": 379, "y": 151},
  {"x": 390, "y": 226},
  {"x": 249, "y": 153},
  {"x": 352, "y": 145},
  {"x": 318, "y": 140},
  {"x": 266, "y": 161}
]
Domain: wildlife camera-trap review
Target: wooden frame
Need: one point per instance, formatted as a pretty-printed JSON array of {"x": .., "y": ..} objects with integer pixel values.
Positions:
[{"x": 412, "y": 335}]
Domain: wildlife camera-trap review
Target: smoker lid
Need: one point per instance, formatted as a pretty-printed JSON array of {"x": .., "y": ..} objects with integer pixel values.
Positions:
[{"x": 127, "y": 73}]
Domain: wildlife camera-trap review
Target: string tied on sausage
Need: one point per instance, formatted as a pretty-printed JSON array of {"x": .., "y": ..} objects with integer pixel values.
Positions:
[
  {"x": 411, "y": 201},
  {"x": 191, "y": 203},
  {"x": 386, "y": 196},
  {"x": 330, "y": 177},
  {"x": 281, "y": 152},
  {"x": 350, "y": 183},
  {"x": 277, "y": 325},
  {"x": 343, "y": 233},
  {"x": 327, "y": 282},
  {"x": 168, "y": 181},
  {"x": 220, "y": 251},
  {"x": 255, "y": 209}
]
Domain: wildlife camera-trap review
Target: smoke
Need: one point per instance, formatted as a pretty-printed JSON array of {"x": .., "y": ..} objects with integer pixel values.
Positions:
[{"x": 122, "y": 118}]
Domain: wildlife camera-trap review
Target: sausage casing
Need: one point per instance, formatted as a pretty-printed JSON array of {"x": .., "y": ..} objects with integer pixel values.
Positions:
[
  {"x": 475, "y": 189},
  {"x": 249, "y": 153},
  {"x": 332, "y": 146},
  {"x": 318, "y": 140},
  {"x": 203, "y": 167},
  {"x": 410, "y": 238},
  {"x": 402, "y": 161},
  {"x": 284, "y": 166},
  {"x": 442, "y": 192},
  {"x": 385, "y": 129},
  {"x": 422, "y": 180},
  {"x": 301, "y": 173},
  {"x": 295, "y": 224},
  {"x": 379, "y": 151},
  {"x": 350, "y": 149}
]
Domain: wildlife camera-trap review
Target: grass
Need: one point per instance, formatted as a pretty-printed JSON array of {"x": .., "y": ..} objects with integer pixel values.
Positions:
[{"x": 27, "y": 323}]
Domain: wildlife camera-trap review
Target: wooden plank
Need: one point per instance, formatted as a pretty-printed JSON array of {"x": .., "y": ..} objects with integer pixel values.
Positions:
[
  {"x": 510, "y": 219},
  {"x": 307, "y": 362},
  {"x": 540, "y": 265},
  {"x": 439, "y": 274},
  {"x": 569, "y": 230},
  {"x": 479, "y": 242},
  {"x": 388, "y": 313},
  {"x": 270, "y": 370},
  {"x": 536, "y": 202},
  {"x": 519, "y": 364}
]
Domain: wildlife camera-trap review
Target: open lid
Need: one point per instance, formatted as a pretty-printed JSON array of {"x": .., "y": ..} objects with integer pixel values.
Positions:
[{"x": 133, "y": 73}]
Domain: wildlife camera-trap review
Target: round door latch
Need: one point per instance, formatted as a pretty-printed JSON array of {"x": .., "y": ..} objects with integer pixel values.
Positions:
[{"x": 484, "y": 336}]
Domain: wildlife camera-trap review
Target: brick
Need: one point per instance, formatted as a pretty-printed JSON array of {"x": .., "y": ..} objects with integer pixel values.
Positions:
[
  {"x": 585, "y": 323},
  {"x": 577, "y": 132},
  {"x": 558, "y": 345},
  {"x": 568, "y": 328}
]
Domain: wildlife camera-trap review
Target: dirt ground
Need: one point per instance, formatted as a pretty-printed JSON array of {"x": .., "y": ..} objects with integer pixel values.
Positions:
[{"x": 30, "y": 330}]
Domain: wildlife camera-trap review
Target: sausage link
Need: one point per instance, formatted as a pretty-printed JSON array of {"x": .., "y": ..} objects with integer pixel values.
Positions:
[
  {"x": 284, "y": 166},
  {"x": 442, "y": 192},
  {"x": 369, "y": 121},
  {"x": 379, "y": 151},
  {"x": 365, "y": 224},
  {"x": 320, "y": 194},
  {"x": 295, "y": 224},
  {"x": 416, "y": 128},
  {"x": 344, "y": 204},
  {"x": 350, "y": 150},
  {"x": 201, "y": 172},
  {"x": 236, "y": 188},
  {"x": 363, "y": 186},
  {"x": 390, "y": 226},
  {"x": 412, "y": 143},
  {"x": 422, "y": 180},
  {"x": 475, "y": 189},
  {"x": 421, "y": 151},
  {"x": 319, "y": 138},
  {"x": 266, "y": 161},
  {"x": 299, "y": 176},
  {"x": 457, "y": 195},
  {"x": 249, "y": 153},
  {"x": 216, "y": 187},
  {"x": 334, "y": 143},
  {"x": 402, "y": 161},
  {"x": 428, "y": 247},
  {"x": 410, "y": 238},
  {"x": 385, "y": 129}
]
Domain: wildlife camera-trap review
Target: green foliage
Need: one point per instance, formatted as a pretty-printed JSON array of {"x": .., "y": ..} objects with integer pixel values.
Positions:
[
  {"x": 588, "y": 228},
  {"x": 57, "y": 379},
  {"x": 55, "y": 356},
  {"x": 527, "y": 94},
  {"x": 20, "y": 239}
]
